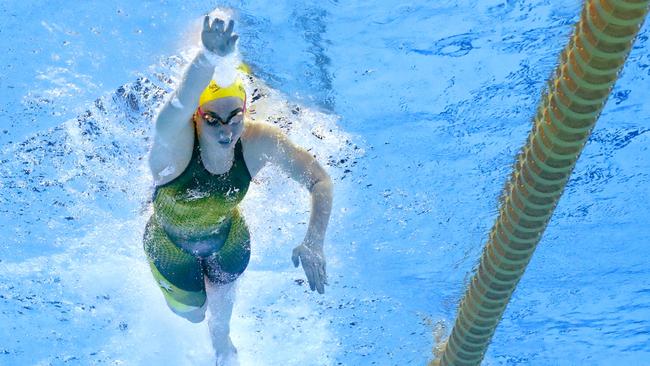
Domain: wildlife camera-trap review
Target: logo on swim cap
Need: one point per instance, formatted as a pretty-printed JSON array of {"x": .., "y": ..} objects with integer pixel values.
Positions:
[{"x": 214, "y": 91}]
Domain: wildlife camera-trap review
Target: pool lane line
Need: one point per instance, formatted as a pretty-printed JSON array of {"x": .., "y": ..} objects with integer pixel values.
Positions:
[{"x": 570, "y": 106}]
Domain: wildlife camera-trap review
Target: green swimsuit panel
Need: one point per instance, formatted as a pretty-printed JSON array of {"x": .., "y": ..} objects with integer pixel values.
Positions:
[
  {"x": 196, "y": 230},
  {"x": 196, "y": 208}
]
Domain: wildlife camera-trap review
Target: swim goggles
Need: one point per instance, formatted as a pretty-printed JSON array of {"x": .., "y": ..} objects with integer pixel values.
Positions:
[{"x": 213, "y": 119}]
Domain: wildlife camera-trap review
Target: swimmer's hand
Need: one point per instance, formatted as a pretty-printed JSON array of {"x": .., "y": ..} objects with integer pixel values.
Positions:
[
  {"x": 313, "y": 262},
  {"x": 216, "y": 39}
]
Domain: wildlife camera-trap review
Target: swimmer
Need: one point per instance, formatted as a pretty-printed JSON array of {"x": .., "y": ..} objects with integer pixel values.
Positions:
[{"x": 205, "y": 152}]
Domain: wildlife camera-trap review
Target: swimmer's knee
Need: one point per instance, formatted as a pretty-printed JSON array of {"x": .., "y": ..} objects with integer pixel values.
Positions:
[
  {"x": 196, "y": 316},
  {"x": 190, "y": 313}
]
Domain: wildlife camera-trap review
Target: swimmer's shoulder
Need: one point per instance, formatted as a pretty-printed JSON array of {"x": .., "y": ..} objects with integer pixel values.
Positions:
[
  {"x": 260, "y": 134},
  {"x": 259, "y": 142},
  {"x": 256, "y": 131}
]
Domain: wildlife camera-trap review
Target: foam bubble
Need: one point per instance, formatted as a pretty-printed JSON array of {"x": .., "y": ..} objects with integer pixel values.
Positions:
[{"x": 225, "y": 71}]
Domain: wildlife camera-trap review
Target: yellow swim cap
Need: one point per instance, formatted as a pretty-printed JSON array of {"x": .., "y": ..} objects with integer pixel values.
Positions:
[
  {"x": 214, "y": 92},
  {"x": 236, "y": 89}
]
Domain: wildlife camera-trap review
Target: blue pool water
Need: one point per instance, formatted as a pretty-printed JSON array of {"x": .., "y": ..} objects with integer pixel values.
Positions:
[{"x": 417, "y": 110}]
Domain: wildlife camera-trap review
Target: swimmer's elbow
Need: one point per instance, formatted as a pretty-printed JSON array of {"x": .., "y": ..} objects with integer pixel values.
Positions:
[
  {"x": 176, "y": 103},
  {"x": 327, "y": 182},
  {"x": 322, "y": 186},
  {"x": 173, "y": 113}
]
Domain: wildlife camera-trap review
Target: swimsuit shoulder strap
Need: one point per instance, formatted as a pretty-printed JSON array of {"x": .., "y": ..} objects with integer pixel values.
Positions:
[{"x": 239, "y": 156}]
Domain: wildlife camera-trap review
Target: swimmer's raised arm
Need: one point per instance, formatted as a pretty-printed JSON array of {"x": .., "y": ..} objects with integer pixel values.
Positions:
[
  {"x": 174, "y": 132},
  {"x": 265, "y": 143}
]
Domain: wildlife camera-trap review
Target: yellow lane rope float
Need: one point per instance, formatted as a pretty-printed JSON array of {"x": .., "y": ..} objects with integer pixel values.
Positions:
[{"x": 576, "y": 94}]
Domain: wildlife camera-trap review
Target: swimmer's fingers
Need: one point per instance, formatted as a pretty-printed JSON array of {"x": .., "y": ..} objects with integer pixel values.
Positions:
[
  {"x": 232, "y": 37},
  {"x": 320, "y": 281},
  {"x": 323, "y": 272},
  {"x": 311, "y": 275},
  {"x": 217, "y": 25},
  {"x": 295, "y": 257},
  {"x": 233, "y": 40},
  {"x": 229, "y": 28},
  {"x": 206, "y": 23},
  {"x": 307, "y": 264},
  {"x": 217, "y": 39},
  {"x": 315, "y": 265}
]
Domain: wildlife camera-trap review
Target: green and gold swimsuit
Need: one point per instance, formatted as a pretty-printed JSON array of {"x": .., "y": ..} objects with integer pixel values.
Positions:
[{"x": 196, "y": 230}]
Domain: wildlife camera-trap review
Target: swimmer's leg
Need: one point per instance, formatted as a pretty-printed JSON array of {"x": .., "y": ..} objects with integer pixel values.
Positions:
[
  {"x": 221, "y": 298},
  {"x": 178, "y": 274},
  {"x": 182, "y": 303},
  {"x": 222, "y": 269}
]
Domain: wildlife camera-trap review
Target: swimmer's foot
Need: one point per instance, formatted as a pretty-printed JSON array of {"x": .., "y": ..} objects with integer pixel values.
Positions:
[{"x": 226, "y": 354}]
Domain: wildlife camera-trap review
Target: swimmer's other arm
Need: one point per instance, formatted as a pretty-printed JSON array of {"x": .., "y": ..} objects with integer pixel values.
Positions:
[{"x": 269, "y": 144}]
